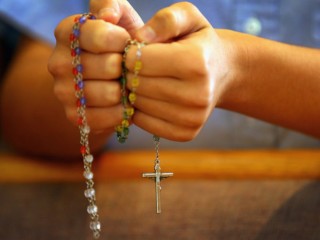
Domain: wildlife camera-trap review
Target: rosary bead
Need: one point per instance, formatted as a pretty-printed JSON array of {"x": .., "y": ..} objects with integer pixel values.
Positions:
[
  {"x": 71, "y": 37},
  {"x": 129, "y": 111},
  {"x": 135, "y": 82},
  {"x": 88, "y": 158},
  {"x": 83, "y": 149},
  {"x": 73, "y": 53},
  {"x": 137, "y": 66},
  {"x": 79, "y": 68},
  {"x": 125, "y": 123},
  {"x": 95, "y": 225},
  {"x": 82, "y": 19},
  {"x": 119, "y": 128},
  {"x": 80, "y": 121},
  {"x": 86, "y": 129},
  {"x": 89, "y": 193},
  {"x": 80, "y": 84},
  {"x": 92, "y": 209},
  {"x": 132, "y": 97},
  {"x": 76, "y": 33},
  {"x": 77, "y": 51},
  {"x": 83, "y": 101},
  {"x": 88, "y": 175},
  {"x": 74, "y": 71}
]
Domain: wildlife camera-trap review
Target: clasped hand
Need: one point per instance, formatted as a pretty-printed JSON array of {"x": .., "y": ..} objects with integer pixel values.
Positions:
[{"x": 181, "y": 63}]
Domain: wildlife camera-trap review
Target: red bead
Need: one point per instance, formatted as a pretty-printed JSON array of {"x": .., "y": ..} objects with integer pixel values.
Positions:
[
  {"x": 76, "y": 87},
  {"x": 80, "y": 120},
  {"x": 72, "y": 37},
  {"x": 73, "y": 53},
  {"x": 83, "y": 149},
  {"x": 79, "y": 105},
  {"x": 76, "y": 19},
  {"x": 75, "y": 71}
]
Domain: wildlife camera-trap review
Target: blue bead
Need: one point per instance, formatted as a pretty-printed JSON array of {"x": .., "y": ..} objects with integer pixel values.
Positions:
[
  {"x": 76, "y": 32},
  {"x": 81, "y": 84},
  {"x": 82, "y": 19},
  {"x": 83, "y": 101},
  {"x": 77, "y": 50},
  {"x": 79, "y": 68}
]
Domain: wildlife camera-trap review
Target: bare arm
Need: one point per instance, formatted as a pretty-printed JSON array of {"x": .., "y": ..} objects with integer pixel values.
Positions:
[
  {"x": 33, "y": 121},
  {"x": 272, "y": 81}
]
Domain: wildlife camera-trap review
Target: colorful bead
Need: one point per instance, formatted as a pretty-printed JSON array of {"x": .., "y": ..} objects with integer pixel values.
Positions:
[
  {"x": 83, "y": 149},
  {"x": 132, "y": 97},
  {"x": 137, "y": 66},
  {"x": 135, "y": 82}
]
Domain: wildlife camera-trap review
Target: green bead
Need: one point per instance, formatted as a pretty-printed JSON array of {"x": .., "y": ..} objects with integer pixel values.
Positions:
[
  {"x": 126, "y": 131},
  {"x": 123, "y": 81}
]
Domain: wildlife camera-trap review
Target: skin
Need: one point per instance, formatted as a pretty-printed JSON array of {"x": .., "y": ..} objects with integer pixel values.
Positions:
[
  {"x": 264, "y": 79},
  {"x": 33, "y": 121},
  {"x": 268, "y": 80}
]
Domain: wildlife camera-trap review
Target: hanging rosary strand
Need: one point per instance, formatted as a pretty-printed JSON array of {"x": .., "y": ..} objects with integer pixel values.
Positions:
[
  {"x": 157, "y": 175},
  {"x": 128, "y": 99},
  {"x": 84, "y": 128}
]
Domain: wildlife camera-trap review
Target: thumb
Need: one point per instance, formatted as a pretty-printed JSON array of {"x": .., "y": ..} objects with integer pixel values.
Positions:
[
  {"x": 118, "y": 12},
  {"x": 173, "y": 22}
]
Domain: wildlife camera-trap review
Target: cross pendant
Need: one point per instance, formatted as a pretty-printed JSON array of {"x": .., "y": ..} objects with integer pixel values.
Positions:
[{"x": 158, "y": 176}]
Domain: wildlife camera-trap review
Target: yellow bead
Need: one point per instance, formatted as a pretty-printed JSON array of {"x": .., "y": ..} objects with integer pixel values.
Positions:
[
  {"x": 137, "y": 66},
  {"x": 135, "y": 82},
  {"x": 119, "y": 128},
  {"x": 132, "y": 97},
  {"x": 129, "y": 111},
  {"x": 125, "y": 123}
]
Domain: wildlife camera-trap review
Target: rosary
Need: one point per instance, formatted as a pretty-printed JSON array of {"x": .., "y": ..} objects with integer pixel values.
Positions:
[{"x": 122, "y": 130}]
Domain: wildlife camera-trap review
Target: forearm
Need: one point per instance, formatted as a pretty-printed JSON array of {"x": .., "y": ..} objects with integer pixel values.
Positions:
[
  {"x": 276, "y": 82},
  {"x": 33, "y": 120}
]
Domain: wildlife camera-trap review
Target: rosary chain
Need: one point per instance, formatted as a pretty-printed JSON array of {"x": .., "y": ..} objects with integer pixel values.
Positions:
[{"x": 84, "y": 128}]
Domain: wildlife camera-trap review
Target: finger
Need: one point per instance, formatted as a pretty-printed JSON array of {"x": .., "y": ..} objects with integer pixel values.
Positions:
[
  {"x": 172, "y": 22},
  {"x": 102, "y": 94},
  {"x": 96, "y": 93},
  {"x": 99, "y": 36},
  {"x": 96, "y": 35},
  {"x": 179, "y": 59},
  {"x": 172, "y": 90},
  {"x": 118, "y": 12},
  {"x": 181, "y": 115},
  {"x": 99, "y": 119},
  {"x": 164, "y": 129},
  {"x": 94, "y": 66},
  {"x": 101, "y": 66}
]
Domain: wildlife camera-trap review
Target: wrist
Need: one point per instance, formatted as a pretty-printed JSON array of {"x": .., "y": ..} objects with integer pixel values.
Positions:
[{"x": 235, "y": 65}]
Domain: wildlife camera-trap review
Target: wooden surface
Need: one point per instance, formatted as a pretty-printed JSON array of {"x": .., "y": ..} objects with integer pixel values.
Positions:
[
  {"x": 214, "y": 195},
  {"x": 258, "y": 164}
]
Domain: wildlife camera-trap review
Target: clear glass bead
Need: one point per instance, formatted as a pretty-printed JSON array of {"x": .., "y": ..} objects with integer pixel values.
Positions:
[
  {"x": 89, "y": 193},
  {"x": 95, "y": 225},
  {"x": 92, "y": 209},
  {"x": 88, "y": 175},
  {"x": 86, "y": 129},
  {"x": 88, "y": 158}
]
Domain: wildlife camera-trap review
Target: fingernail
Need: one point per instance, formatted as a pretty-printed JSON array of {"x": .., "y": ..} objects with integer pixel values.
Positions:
[{"x": 146, "y": 34}]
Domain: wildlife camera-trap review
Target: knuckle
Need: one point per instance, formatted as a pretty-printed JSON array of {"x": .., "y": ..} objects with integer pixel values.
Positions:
[
  {"x": 186, "y": 134},
  {"x": 58, "y": 65},
  {"x": 71, "y": 115},
  {"x": 61, "y": 91}
]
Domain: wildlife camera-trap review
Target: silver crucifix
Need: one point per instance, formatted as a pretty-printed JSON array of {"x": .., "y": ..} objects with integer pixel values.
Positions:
[{"x": 158, "y": 176}]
